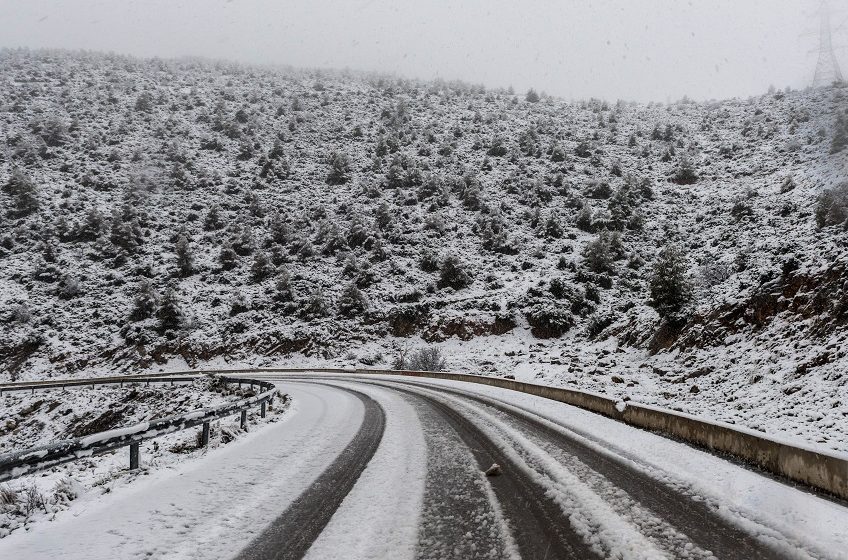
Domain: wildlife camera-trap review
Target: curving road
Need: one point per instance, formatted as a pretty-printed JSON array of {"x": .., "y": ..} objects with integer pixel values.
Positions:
[{"x": 390, "y": 467}]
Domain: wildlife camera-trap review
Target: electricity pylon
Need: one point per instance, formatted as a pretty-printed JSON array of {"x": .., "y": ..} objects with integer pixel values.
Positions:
[{"x": 827, "y": 67}]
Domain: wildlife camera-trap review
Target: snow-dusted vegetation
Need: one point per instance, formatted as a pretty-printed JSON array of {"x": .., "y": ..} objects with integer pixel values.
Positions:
[{"x": 175, "y": 213}]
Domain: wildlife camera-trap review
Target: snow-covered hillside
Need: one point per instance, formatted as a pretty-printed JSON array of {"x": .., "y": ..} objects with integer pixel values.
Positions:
[{"x": 179, "y": 213}]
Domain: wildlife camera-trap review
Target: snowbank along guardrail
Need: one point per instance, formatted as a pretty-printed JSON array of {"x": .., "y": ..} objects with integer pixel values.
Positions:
[{"x": 19, "y": 463}]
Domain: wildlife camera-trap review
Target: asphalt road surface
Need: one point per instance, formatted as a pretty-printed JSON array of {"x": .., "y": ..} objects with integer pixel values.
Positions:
[{"x": 391, "y": 467}]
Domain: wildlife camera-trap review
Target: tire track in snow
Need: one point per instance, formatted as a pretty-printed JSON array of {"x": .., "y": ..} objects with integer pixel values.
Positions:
[
  {"x": 291, "y": 534},
  {"x": 705, "y": 527},
  {"x": 539, "y": 528},
  {"x": 461, "y": 518}
]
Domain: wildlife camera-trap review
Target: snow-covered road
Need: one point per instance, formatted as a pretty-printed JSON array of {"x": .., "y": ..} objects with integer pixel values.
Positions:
[{"x": 388, "y": 467}]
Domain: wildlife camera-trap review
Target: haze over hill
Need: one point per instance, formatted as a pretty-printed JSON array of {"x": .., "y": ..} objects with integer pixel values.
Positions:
[{"x": 652, "y": 50}]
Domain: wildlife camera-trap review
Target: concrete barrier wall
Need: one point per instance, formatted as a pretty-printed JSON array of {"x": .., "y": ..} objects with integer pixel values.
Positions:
[{"x": 820, "y": 469}]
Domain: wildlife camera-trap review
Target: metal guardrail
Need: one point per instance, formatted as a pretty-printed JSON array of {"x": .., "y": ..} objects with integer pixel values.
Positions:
[
  {"x": 103, "y": 380},
  {"x": 27, "y": 461}
]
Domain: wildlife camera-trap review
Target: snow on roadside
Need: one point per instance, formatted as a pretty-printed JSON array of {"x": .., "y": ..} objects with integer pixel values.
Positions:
[
  {"x": 209, "y": 507},
  {"x": 48, "y": 416}
]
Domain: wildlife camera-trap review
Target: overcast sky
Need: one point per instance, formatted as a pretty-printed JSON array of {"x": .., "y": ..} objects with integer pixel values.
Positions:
[{"x": 625, "y": 49}]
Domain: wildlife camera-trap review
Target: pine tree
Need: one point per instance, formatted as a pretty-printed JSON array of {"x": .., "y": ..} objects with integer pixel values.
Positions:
[
  {"x": 340, "y": 168},
  {"x": 185, "y": 257},
  {"x": 169, "y": 314},
  {"x": 452, "y": 275},
  {"x": 261, "y": 267},
  {"x": 317, "y": 305},
  {"x": 670, "y": 288},
  {"x": 144, "y": 304},
  {"x": 228, "y": 256},
  {"x": 597, "y": 255},
  {"x": 23, "y": 191},
  {"x": 244, "y": 242},
  {"x": 685, "y": 174},
  {"x": 352, "y": 302},
  {"x": 584, "y": 218},
  {"x": 213, "y": 219},
  {"x": 283, "y": 291},
  {"x": 278, "y": 229}
]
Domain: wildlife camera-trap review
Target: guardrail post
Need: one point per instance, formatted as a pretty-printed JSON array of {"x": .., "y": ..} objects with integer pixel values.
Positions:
[
  {"x": 262, "y": 410},
  {"x": 243, "y": 419},
  {"x": 134, "y": 454},
  {"x": 204, "y": 436}
]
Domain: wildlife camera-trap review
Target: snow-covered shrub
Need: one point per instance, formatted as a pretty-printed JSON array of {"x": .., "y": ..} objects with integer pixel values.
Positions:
[
  {"x": 144, "y": 102},
  {"x": 548, "y": 318},
  {"x": 598, "y": 190},
  {"x": 185, "y": 257},
  {"x": 713, "y": 272},
  {"x": 832, "y": 206},
  {"x": 552, "y": 227},
  {"x": 21, "y": 314},
  {"x": 352, "y": 302},
  {"x": 261, "y": 267},
  {"x": 145, "y": 302},
  {"x": 243, "y": 241},
  {"x": 239, "y": 303},
  {"x": 685, "y": 174},
  {"x": 317, "y": 306},
  {"x": 584, "y": 219},
  {"x": 497, "y": 146},
  {"x": 24, "y": 193},
  {"x": 227, "y": 256},
  {"x": 283, "y": 290},
  {"x": 598, "y": 323},
  {"x": 359, "y": 234},
  {"x": 424, "y": 359},
  {"x": 741, "y": 209},
  {"x": 669, "y": 285},
  {"x": 787, "y": 184},
  {"x": 32, "y": 501},
  {"x": 169, "y": 314},
  {"x": 66, "y": 490},
  {"x": 69, "y": 287},
  {"x": 429, "y": 261},
  {"x": 340, "y": 168},
  {"x": 597, "y": 255},
  {"x": 452, "y": 274}
]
